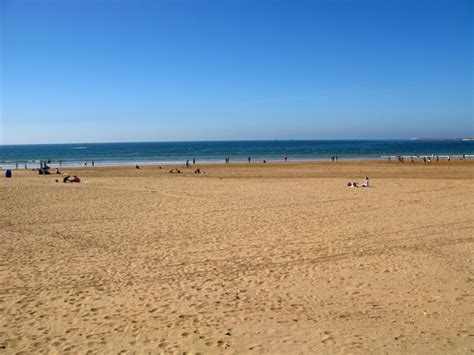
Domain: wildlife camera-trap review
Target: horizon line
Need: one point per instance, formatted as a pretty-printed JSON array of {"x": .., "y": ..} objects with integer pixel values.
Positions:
[{"x": 256, "y": 140}]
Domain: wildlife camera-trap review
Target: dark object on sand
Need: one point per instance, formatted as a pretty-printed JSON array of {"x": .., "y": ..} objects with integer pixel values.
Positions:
[
  {"x": 137, "y": 166},
  {"x": 44, "y": 168},
  {"x": 8, "y": 173}
]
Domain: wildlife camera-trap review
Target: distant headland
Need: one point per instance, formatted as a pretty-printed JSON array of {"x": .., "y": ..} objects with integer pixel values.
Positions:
[{"x": 443, "y": 139}]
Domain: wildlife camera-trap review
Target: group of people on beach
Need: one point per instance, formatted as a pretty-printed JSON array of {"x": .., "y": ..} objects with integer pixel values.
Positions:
[
  {"x": 354, "y": 184},
  {"x": 177, "y": 171},
  {"x": 426, "y": 159},
  {"x": 67, "y": 179}
]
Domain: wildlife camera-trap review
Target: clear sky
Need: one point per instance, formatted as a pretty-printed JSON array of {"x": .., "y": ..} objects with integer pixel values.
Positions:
[{"x": 131, "y": 70}]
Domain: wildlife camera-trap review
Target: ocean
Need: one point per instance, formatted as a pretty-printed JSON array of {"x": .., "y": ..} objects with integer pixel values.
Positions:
[{"x": 111, "y": 154}]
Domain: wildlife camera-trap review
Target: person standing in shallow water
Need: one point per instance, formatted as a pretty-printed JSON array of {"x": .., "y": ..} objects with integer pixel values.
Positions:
[{"x": 249, "y": 159}]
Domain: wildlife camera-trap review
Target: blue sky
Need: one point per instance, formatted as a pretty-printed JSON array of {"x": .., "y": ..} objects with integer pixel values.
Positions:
[{"x": 131, "y": 70}]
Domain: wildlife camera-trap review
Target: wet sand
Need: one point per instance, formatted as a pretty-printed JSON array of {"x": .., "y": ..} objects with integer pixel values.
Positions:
[{"x": 259, "y": 258}]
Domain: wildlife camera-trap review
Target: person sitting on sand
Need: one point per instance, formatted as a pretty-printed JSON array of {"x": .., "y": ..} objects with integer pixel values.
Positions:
[
  {"x": 366, "y": 183},
  {"x": 57, "y": 171},
  {"x": 66, "y": 179},
  {"x": 75, "y": 179},
  {"x": 197, "y": 171}
]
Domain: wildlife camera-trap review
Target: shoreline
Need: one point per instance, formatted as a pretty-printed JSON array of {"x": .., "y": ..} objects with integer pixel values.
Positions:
[
  {"x": 55, "y": 164},
  {"x": 347, "y": 169}
]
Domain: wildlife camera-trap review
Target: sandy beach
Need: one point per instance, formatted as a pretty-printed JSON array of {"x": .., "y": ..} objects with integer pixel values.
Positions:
[{"x": 259, "y": 258}]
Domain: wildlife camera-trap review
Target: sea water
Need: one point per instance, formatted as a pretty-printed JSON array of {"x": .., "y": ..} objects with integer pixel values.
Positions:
[{"x": 215, "y": 151}]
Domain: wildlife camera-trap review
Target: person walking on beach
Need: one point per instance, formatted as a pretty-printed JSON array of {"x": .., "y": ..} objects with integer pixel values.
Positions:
[
  {"x": 248, "y": 159},
  {"x": 93, "y": 164},
  {"x": 194, "y": 161},
  {"x": 286, "y": 157},
  {"x": 187, "y": 163}
]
